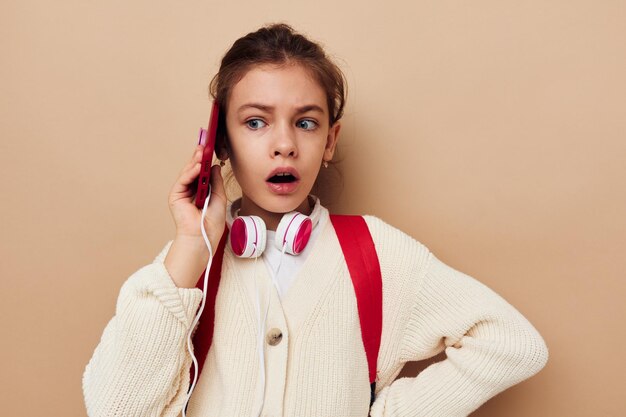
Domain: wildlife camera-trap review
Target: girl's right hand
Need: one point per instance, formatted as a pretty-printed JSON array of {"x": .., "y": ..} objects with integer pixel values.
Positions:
[{"x": 188, "y": 254}]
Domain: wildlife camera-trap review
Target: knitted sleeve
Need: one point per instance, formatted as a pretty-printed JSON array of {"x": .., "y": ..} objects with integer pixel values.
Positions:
[
  {"x": 489, "y": 345},
  {"x": 141, "y": 366}
]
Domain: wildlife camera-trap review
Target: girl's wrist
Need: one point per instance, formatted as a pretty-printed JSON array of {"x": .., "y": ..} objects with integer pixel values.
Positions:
[
  {"x": 194, "y": 243},
  {"x": 186, "y": 260}
]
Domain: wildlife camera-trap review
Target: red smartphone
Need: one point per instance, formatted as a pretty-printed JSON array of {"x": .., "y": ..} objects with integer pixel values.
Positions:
[{"x": 207, "y": 138}]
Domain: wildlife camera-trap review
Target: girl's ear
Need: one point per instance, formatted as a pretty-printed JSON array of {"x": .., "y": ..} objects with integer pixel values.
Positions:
[{"x": 331, "y": 141}]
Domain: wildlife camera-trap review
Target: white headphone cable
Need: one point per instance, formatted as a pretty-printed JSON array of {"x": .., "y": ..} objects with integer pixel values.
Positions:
[{"x": 199, "y": 313}]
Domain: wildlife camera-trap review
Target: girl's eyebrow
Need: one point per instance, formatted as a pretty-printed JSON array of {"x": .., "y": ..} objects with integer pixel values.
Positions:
[
  {"x": 263, "y": 107},
  {"x": 310, "y": 107}
]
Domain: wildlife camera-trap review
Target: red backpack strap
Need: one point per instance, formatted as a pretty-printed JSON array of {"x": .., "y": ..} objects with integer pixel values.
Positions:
[
  {"x": 203, "y": 337},
  {"x": 360, "y": 254}
]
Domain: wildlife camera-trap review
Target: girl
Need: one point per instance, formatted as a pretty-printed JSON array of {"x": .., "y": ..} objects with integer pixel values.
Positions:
[{"x": 287, "y": 337}]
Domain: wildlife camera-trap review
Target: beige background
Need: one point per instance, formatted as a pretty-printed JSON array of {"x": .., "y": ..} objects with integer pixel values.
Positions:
[{"x": 492, "y": 131}]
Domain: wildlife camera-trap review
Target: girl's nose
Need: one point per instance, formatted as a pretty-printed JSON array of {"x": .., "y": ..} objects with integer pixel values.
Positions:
[{"x": 284, "y": 143}]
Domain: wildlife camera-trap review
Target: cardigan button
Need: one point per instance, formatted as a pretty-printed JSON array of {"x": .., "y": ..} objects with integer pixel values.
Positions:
[{"x": 274, "y": 337}]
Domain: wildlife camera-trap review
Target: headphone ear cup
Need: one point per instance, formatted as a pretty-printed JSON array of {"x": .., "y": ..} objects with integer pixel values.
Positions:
[
  {"x": 294, "y": 231},
  {"x": 248, "y": 236}
]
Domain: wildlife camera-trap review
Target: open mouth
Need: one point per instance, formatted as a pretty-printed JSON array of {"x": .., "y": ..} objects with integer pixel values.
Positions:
[{"x": 282, "y": 178}]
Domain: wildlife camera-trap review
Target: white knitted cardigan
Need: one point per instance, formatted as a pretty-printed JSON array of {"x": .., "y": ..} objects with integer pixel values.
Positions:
[{"x": 319, "y": 368}]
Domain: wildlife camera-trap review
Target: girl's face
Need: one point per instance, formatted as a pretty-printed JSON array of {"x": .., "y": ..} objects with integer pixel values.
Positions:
[{"x": 278, "y": 126}]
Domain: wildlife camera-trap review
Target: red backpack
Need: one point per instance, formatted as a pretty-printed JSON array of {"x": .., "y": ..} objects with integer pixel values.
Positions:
[{"x": 360, "y": 255}]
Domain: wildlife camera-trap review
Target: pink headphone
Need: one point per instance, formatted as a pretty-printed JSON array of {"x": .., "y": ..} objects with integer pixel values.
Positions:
[{"x": 248, "y": 234}]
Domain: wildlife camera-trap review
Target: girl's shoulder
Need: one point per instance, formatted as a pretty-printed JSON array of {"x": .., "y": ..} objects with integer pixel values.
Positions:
[
  {"x": 387, "y": 235},
  {"x": 396, "y": 249}
]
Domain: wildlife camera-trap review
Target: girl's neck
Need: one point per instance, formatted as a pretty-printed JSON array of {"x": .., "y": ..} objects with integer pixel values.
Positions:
[{"x": 271, "y": 219}]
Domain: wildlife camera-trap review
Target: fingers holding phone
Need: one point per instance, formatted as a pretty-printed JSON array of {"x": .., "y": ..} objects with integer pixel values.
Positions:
[
  {"x": 180, "y": 200},
  {"x": 188, "y": 255}
]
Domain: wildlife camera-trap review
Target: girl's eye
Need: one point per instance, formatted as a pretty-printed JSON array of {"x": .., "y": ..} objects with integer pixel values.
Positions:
[
  {"x": 255, "y": 124},
  {"x": 306, "y": 124}
]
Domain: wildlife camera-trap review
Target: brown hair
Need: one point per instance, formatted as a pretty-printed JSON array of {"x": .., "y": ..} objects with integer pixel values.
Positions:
[{"x": 277, "y": 44}]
